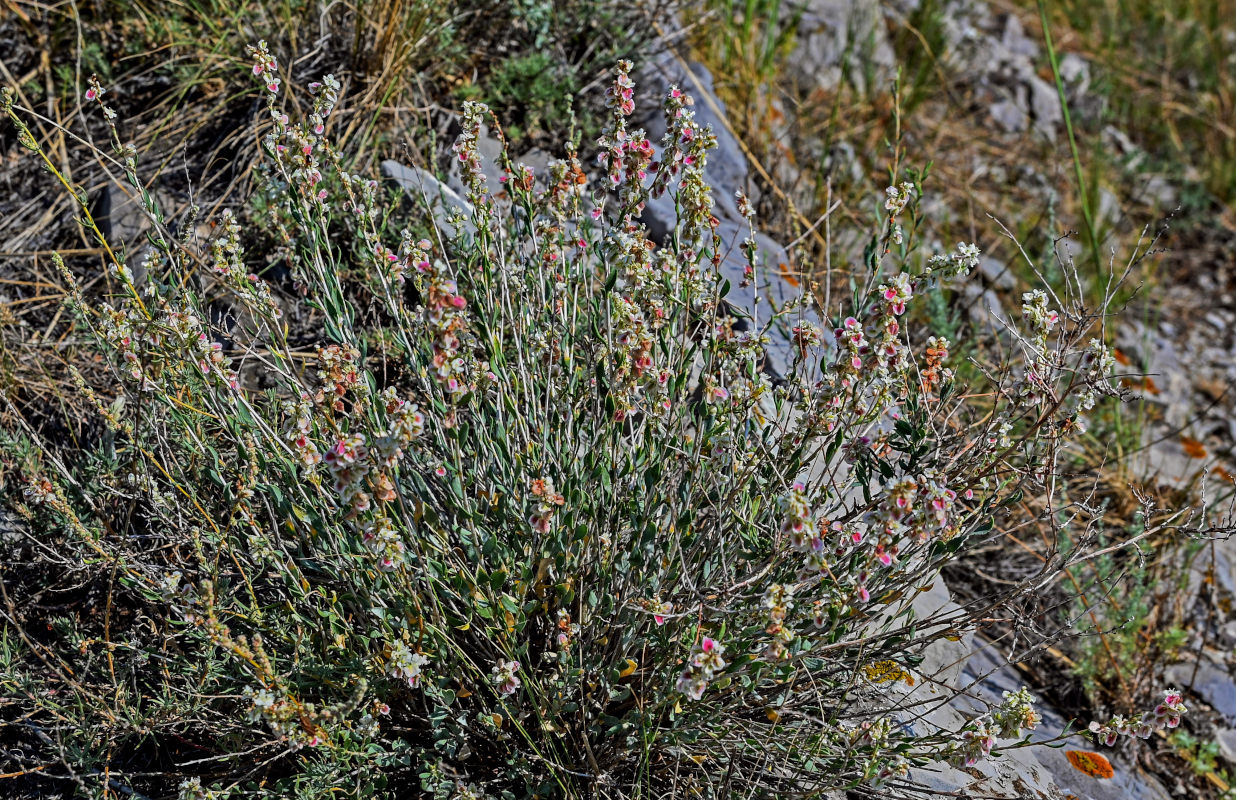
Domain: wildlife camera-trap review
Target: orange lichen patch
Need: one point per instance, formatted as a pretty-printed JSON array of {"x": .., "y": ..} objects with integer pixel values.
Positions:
[
  {"x": 783, "y": 270},
  {"x": 1145, "y": 384},
  {"x": 1121, "y": 357},
  {"x": 1092, "y": 764},
  {"x": 1192, "y": 447}
]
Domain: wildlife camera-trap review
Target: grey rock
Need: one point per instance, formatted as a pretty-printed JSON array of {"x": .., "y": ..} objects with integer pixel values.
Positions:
[
  {"x": 1075, "y": 72},
  {"x": 1212, "y": 682},
  {"x": 985, "y": 310},
  {"x": 1009, "y": 115},
  {"x": 1015, "y": 40},
  {"x": 1119, "y": 140},
  {"x": 120, "y": 215},
  {"x": 422, "y": 186},
  {"x": 124, "y": 222},
  {"x": 1044, "y": 106},
  {"x": 997, "y": 273},
  {"x": 1045, "y": 772},
  {"x": 1226, "y": 739},
  {"x": 828, "y": 30},
  {"x": 1109, "y": 206},
  {"x": 1160, "y": 191},
  {"x": 842, "y": 160}
]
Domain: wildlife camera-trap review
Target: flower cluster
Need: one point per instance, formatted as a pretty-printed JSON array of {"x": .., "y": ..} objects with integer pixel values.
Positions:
[
  {"x": 447, "y": 319},
  {"x": 567, "y": 185},
  {"x": 227, "y": 255},
  {"x": 1038, "y": 316},
  {"x": 325, "y": 98},
  {"x": 403, "y": 664},
  {"x": 300, "y": 430},
  {"x": 94, "y": 93},
  {"x": 1166, "y": 714},
  {"x": 1097, "y": 363},
  {"x": 505, "y": 677},
  {"x": 192, "y": 789},
  {"x": 567, "y": 630},
  {"x": 412, "y": 255},
  {"x": 384, "y": 541},
  {"x": 348, "y": 464},
  {"x": 1015, "y": 714},
  {"x": 896, "y": 293},
  {"x": 39, "y": 490},
  {"x": 959, "y": 262},
  {"x": 974, "y": 743},
  {"x": 297, "y": 149},
  {"x": 546, "y": 504},
  {"x": 620, "y": 98},
  {"x": 897, "y": 197},
  {"x": 779, "y": 601},
  {"x": 679, "y": 134},
  {"x": 798, "y": 526},
  {"x": 934, "y": 371},
  {"x": 875, "y": 736},
  {"x": 265, "y": 66},
  {"x": 340, "y": 373},
  {"x": 285, "y": 716},
  {"x": 660, "y": 609},
  {"x": 465, "y": 149},
  {"x": 407, "y": 422},
  {"x": 703, "y": 666}
]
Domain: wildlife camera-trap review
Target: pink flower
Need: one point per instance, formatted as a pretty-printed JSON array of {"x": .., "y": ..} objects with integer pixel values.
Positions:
[{"x": 91, "y": 94}]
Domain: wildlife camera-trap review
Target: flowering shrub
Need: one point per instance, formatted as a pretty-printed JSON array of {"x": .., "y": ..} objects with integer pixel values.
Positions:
[{"x": 514, "y": 503}]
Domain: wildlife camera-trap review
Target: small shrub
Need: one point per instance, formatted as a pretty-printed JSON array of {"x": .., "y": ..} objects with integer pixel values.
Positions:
[{"x": 515, "y": 509}]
